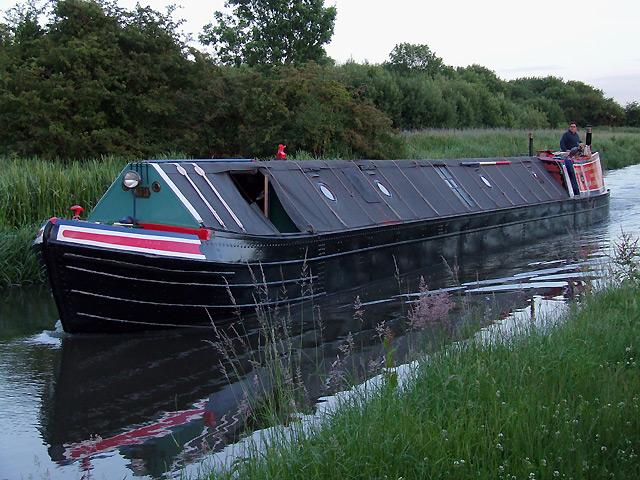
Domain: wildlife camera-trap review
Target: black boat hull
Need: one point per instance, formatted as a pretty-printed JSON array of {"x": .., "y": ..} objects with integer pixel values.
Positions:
[{"x": 100, "y": 290}]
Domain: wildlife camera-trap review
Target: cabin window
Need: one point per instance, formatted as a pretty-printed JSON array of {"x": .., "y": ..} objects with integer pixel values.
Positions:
[
  {"x": 485, "y": 181},
  {"x": 383, "y": 189},
  {"x": 326, "y": 192}
]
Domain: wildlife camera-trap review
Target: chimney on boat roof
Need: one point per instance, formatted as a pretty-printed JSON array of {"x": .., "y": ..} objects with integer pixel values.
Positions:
[{"x": 281, "y": 155}]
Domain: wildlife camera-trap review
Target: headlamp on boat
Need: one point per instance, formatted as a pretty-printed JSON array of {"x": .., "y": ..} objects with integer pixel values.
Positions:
[{"x": 130, "y": 180}]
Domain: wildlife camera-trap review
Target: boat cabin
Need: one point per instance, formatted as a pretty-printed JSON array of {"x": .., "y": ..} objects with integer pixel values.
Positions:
[{"x": 277, "y": 198}]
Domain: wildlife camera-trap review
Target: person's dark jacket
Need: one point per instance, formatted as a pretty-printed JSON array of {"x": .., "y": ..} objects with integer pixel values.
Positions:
[{"x": 569, "y": 140}]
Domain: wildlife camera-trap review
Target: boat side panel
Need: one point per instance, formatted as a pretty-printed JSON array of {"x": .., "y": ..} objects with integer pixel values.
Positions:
[{"x": 103, "y": 291}]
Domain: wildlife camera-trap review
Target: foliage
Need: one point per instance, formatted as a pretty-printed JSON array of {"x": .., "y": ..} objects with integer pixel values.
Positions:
[
  {"x": 632, "y": 111},
  {"x": 408, "y": 57},
  {"x": 32, "y": 190},
  {"x": 18, "y": 262},
  {"x": 270, "y": 32},
  {"x": 567, "y": 101},
  {"x": 87, "y": 78},
  {"x": 94, "y": 80}
]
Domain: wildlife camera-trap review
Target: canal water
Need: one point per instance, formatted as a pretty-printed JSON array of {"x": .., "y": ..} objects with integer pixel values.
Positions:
[{"x": 157, "y": 406}]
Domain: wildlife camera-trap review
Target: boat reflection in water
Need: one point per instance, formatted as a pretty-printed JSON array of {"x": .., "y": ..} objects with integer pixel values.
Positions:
[{"x": 164, "y": 401}]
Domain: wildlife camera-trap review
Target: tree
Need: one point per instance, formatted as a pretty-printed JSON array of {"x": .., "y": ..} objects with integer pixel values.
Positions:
[
  {"x": 263, "y": 32},
  {"x": 632, "y": 111},
  {"x": 93, "y": 79},
  {"x": 478, "y": 74},
  {"x": 409, "y": 57}
]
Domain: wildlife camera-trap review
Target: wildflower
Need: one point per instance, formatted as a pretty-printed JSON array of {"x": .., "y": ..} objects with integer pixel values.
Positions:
[
  {"x": 431, "y": 308},
  {"x": 500, "y": 435},
  {"x": 383, "y": 330},
  {"x": 532, "y": 476},
  {"x": 358, "y": 310},
  {"x": 556, "y": 473},
  {"x": 349, "y": 346},
  {"x": 544, "y": 462},
  {"x": 603, "y": 448},
  {"x": 499, "y": 446}
]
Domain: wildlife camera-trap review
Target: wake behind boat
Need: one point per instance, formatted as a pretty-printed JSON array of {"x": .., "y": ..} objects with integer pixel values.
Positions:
[{"x": 182, "y": 243}]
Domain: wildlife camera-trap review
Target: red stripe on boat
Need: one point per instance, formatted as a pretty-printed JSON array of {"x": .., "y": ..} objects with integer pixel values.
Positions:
[
  {"x": 202, "y": 233},
  {"x": 153, "y": 244}
]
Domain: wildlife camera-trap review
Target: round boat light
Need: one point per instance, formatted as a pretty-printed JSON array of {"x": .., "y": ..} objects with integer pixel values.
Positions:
[{"x": 131, "y": 180}]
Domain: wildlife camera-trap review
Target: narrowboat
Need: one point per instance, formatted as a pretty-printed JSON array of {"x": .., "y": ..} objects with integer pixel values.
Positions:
[{"x": 188, "y": 243}]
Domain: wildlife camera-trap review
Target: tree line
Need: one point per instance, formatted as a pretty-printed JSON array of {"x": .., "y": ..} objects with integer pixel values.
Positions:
[{"x": 84, "y": 78}]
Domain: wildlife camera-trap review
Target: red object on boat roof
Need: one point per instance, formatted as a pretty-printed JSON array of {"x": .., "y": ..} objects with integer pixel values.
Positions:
[
  {"x": 77, "y": 211},
  {"x": 281, "y": 155}
]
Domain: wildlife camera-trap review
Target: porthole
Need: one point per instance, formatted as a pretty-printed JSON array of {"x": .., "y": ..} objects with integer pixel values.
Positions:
[
  {"x": 326, "y": 192},
  {"x": 485, "y": 181},
  {"x": 383, "y": 189}
]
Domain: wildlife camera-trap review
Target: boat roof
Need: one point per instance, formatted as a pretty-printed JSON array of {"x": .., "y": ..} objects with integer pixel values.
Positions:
[{"x": 336, "y": 195}]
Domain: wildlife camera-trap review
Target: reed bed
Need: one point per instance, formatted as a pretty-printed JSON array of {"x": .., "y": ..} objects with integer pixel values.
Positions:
[
  {"x": 619, "y": 147},
  {"x": 32, "y": 190},
  {"x": 554, "y": 402},
  {"x": 18, "y": 262}
]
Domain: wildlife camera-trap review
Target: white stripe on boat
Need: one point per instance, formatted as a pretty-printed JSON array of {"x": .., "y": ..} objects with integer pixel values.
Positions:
[{"x": 178, "y": 193}]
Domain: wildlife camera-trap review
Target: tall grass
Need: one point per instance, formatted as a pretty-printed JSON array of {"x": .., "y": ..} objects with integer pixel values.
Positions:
[
  {"x": 561, "y": 401},
  {"x": 18, "y": 262},
  {"x": 32, "y": 189},
  {"x": 619, "y": 147}
]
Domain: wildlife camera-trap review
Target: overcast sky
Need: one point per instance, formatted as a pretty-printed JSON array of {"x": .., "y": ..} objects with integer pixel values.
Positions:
[{"x": 597, "y": 42}]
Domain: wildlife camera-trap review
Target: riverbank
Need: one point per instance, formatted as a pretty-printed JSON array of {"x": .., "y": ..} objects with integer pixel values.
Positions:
[
  {"x": 32, "y": 190},
  {"x": 558, "y": 401},
  {"x": 619, "y": 147}
]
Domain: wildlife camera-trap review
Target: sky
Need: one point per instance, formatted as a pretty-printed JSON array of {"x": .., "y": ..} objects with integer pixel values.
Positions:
[{"x": 593, "y": 41}]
